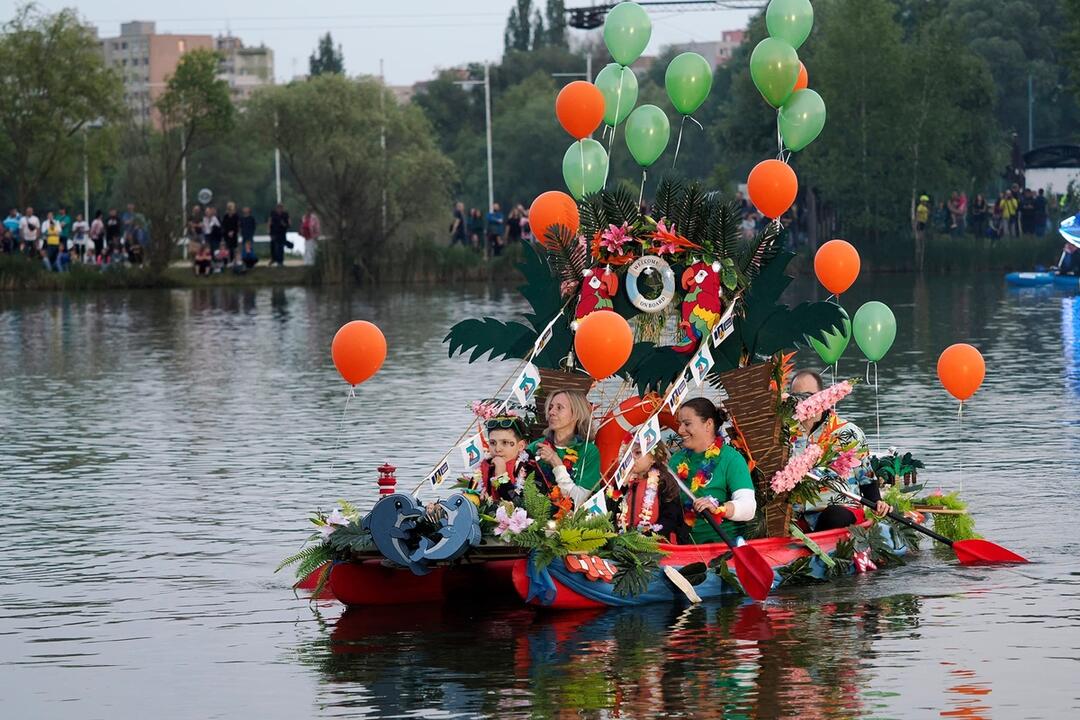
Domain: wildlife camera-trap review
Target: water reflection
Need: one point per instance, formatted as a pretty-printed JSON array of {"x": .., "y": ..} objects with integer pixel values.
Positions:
[{"x": 728, "y": 661}]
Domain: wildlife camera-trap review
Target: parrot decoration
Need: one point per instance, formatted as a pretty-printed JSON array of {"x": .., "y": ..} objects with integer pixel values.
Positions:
[
  {"x": 701, "y": 306},
  {"x": 597, "y": 291}
]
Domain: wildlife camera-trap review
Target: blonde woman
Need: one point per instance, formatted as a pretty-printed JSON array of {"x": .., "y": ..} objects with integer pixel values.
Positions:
[{"x": 569, "y": 461}]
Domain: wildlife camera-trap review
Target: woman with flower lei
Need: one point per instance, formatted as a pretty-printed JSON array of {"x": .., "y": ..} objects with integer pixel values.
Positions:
[
  {"x": 823, "y": 439},
  {"x": 650, "y": 500},
  {"x": 570, "y": 463},
  {"x": 714, "y": 471}
]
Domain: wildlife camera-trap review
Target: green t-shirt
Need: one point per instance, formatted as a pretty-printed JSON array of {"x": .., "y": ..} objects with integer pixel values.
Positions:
[
  {"x": 718, "y": 472},
  {"x": 585, "y": 471},
  {"x": 65, "y": 225}
]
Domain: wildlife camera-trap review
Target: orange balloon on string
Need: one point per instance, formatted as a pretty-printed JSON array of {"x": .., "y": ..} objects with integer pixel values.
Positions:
[
  {"x": 961, "y": 369},
  {"x": 358, "y": 349},
  {"x": 836, "y": 265},
  {"x": 772, "y": 187},
  {"x": 550, "y": 209},
  {"x": 580, "y": 108},
  {"x": 603, "y": 343},
  {"x": 804, "y": 79}
]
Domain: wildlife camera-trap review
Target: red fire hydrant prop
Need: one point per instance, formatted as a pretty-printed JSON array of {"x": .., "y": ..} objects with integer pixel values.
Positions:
[{"x": 387, "y": 481}]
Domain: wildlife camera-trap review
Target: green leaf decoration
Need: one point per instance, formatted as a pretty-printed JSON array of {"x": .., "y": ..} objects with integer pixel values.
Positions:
[
  {"x": 695, "y": 573},
  {"x": 350, "y": 538},
  {"x": 811, "y": 545},
  {"x": 490, "y": 336},
  {"x": 621, "y": 207},
  {"x": 667, "y": 198}
]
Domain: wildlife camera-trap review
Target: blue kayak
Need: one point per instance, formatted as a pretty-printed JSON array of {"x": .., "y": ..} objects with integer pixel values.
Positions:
[{"x": 1036, "y": 279}]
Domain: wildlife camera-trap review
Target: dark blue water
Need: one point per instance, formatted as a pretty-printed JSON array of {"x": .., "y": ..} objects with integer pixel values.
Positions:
[{"x": 162, "y": 450}]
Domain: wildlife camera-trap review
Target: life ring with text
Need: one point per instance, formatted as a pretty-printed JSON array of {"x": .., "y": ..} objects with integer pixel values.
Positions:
[{"x": 650, "y": 263}]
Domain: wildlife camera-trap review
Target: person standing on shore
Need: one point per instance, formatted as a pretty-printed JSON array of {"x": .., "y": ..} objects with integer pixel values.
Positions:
[
  {"x": 496, "y": 229},
  {"x": 247, "y": 227},
  {"x": 212, "y": 229},
  {"x": 279, "y": 228},
  {"x": 476, "y": 229},
  {"x": 230, "y": 229},
  {"x": 80, "y": 229},
  {"x": 457, "y": 226},
  {"x": 310, "y": 230},
  {"x": 29, "y": 231}
]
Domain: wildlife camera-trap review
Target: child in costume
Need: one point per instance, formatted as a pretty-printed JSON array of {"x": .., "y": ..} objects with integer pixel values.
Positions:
[
  {"x": 650, "y": 500},
  {"x": 504, "y": 474}
]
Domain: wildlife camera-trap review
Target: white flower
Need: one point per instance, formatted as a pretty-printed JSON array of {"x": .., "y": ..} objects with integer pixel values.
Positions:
[{"x": 337, "y": 518}]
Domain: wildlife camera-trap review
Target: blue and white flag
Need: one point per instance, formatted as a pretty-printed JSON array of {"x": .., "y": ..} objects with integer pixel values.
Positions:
[
  {"x": 701, "y": 363},
  {"x": 626, "y": 466},
  {"x": 545, "y": 336},
  {"x": 526, "y": 384},
  {"x": 437, "y": 475},
  {"x": 597, "y": 504},
  {"x": 472, "y": 452},
  {"x": 724, "y": 326},
  {"x": 648, "y": 437},
  {"x": 677, "y": 393}
]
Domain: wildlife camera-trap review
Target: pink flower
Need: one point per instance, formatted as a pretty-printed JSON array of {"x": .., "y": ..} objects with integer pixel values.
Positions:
[
  {"x": 614, "y": 238},
  {"x": 845, "y": 463},
  {"x": 513, "y": 524},
  {"x": 484, "y": 410},
  {"x": 820, "y": 402},
  {"x": 796, "y": 469},
  {"x": 503, "y": 521}
]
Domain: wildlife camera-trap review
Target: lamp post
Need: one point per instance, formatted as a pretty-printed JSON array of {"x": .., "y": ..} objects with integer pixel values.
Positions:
[
  {"x": 486, "y": 82},
  {"x": 92, "y": 125}
]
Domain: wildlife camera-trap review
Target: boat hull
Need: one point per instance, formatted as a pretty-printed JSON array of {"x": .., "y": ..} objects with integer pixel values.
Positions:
[
  {"x": 374, "y": 582},
  {"x": 1043, "y": 279}
]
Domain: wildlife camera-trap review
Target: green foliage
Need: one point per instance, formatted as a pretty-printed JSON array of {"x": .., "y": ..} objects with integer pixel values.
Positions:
[
  {"x": 954, "y": 527},
  {"x": 811, "y": 545},
  {"x": 349, "y": 539},
  {"x": 536, "y": 504},
  {"x": 798, "y": 572},
  {"x": 308, "y": 558},
  {"x": 326, "y": 60},
  {"x": 720, "y": 566}
]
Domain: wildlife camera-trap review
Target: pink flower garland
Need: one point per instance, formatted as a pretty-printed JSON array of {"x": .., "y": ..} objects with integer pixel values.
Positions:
[
  {"x": 820, "y": 402},
  {"x": 793, "y": 473},
  {"x": 845, "y": 463}
]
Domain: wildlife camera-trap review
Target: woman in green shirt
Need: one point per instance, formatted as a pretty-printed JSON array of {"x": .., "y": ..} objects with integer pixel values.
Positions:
[
  {"x": 715, "y": 472},
  {"x": 570, "y": 463}
]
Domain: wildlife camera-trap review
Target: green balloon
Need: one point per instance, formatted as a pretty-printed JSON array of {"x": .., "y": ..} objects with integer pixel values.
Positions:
[
  {"x": 874, "y": 328},
  {"x": 835, "y": 344},
  {"x": 627, "y": 30},
  {"x": 613, "y": 80},
  {"x": 790, "y": 21},
  {"x": 774, "y": 67},
  {"x": 584, "y": 167},
  {"x": 647, "y": 134},
  {"x": 688, "y": 81},
  {"x": 801, "y": 119}
]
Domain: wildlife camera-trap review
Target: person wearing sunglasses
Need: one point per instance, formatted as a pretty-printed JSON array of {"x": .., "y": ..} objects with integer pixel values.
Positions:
[{"x": 504, "y": 474}]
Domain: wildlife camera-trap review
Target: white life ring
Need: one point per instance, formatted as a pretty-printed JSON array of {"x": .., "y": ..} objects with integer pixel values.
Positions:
[{"x": 667, "y": 293}]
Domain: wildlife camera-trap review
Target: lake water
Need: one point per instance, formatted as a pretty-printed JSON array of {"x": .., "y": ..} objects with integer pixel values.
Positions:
[{"x": 161, "y": 451}]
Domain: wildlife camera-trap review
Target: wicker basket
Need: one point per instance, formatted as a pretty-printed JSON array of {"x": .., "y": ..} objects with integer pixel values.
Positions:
[{"x": 752, "y": 403}]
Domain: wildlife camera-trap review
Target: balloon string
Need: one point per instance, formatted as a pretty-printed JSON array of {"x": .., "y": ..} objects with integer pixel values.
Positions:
[
  {"x": 641, "y": 195},
  {"x": 581, "y": 147},
  {"x": 779, "y": 139},
  {"x": 341, "y": 424},
  {"x": 960, "y": 421},
  {"x": 618, "y": 107},
  {"x": 678, "y": 143},
  {"x": 877, "y": 408}
]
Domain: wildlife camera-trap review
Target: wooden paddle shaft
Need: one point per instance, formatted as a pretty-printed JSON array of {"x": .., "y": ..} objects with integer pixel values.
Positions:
[{"x": 907, "y": 521}]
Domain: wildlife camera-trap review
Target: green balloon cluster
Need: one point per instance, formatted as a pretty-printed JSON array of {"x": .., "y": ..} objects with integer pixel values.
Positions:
[
  {"x": 619, "y": 86},
  {"x": 790, "y": 21},
  {"x": 774, "y": 68},
  {"x": 627, "y": 30},
  {"x": 874, "y": 328},
  {"x": 801, "y": 119},
  {"x": 647, "y": 134},
  {"x": 584, "y": 167},
  {"x": 835, "y": 343},
  {"x": 688, "y": 81}
]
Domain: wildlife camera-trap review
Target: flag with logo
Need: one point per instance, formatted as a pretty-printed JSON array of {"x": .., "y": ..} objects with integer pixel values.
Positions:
[
  {"x": 701, "y": 363},
  {"x": 597, "y": 504},
  {"x": 678, "y": 392},
  {"x": 526, "y": 384},
  {"x": 724, "y": 326},
  {"x": 472, "y": 452},
  {"x": 626, "y": 465},
  {"x": 436, "y": 477},
  {"x": 648, "y": 436}
]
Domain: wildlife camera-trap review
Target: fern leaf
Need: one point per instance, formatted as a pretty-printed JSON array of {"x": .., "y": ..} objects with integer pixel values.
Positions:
[
  {"x": 591, "y": 212},
  {"x": 621, "y": 207},
  {"x": 568, "y": 258},
  {"x": 667, "y": 197}
]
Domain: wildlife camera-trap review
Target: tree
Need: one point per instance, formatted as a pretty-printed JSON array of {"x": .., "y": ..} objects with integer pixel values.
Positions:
[
  {"x": 331, "y": 131},
  {"x": 193, "y": 110},
  {"x": 518, "y": 33},
  {"x": 54, "y": 84},
  {"x": 556, "y": 24},
  {"x": 326, "y": 60}
]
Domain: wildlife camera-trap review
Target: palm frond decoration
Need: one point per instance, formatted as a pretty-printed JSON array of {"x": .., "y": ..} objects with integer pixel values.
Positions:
[
  {"x": 667, "y": 198},
  {"x": 724, "y": 232},
  {"x": 621, "y": 207},
  {"x": 691, "y": 213},
  {"x": 758, "y": 251},
  {"x": 592, "y": 214},
  {"x": 569, "y": 258}
]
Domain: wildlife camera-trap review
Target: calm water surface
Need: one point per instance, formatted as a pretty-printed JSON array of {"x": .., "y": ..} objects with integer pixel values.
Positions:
[{"x": 162, "y": 451}]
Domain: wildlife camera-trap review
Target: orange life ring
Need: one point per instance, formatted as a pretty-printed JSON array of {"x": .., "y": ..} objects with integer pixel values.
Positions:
[{"x": 618, "y": 426}]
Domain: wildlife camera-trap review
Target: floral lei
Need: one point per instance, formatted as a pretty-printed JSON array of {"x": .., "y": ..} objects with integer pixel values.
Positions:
[
  {"x": 564, "y": 505},
  {"x": 701, "y": 477},
  {"x": 652, "y": 482}
]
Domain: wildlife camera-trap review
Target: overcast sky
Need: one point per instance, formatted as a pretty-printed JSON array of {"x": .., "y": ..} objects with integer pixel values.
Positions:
[{"x": 413, "y": 37}]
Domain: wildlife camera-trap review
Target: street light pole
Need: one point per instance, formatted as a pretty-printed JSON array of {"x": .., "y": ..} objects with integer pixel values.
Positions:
[
  {"x": 85, "y": 179},
  {"x": 487, "y": 113}
]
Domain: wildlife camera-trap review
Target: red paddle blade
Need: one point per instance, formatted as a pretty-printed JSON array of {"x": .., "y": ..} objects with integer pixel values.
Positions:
[
  {"x": 974, "y": 552},
  {"x": 753, "y": 572}
]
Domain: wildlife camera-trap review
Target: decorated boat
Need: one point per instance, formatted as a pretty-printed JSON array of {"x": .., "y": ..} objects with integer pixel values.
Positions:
[{"x": 1043, "y": 279}]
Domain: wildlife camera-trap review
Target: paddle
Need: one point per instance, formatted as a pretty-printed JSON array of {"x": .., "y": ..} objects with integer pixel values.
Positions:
[
  {"x": 753, "y": 571},
  {"x": 968, "y": 552}
]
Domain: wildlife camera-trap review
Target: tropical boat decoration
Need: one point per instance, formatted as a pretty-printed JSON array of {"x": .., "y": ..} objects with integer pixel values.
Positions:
[{"x": 639, "y": 306}]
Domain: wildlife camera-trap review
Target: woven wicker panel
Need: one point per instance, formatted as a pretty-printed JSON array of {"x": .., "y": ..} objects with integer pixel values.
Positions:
[
  {"x": 752, "y": 402},
  {"x": 554, "y": 381}
]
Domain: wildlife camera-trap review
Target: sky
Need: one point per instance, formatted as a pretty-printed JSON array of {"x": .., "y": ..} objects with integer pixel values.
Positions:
[{"x": 413, "y": 38}]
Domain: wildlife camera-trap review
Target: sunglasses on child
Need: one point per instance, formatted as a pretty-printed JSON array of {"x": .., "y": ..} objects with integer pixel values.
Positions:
[{"x": 504, "y": 424}]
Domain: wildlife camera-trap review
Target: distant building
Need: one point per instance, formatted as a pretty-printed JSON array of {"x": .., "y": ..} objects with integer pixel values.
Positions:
[
  {"x": 145, "y": 60},
  {"x": 244, "y": 68},
  {"x": 717, "y": 52}
]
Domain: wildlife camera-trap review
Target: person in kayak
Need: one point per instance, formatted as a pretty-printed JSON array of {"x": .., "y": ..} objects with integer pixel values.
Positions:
[
  {"x": 569, "y": 461},
  {"x": 714, "y": 471},
  {"x": 651, "y": 502},
  {"x": 834, "y": 515}
]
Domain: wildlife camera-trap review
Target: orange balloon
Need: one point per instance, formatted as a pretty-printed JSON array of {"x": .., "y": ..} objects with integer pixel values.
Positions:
[
  {"x": 580, "y": 108},
  {"x": 359, "y": 349},
  {"x": 772, "y": 187},
  {"x": 961, "y": 369},
  {"x": 804, "y": 79},
  {"x": 603, "y": 343},
  {"x": 550, "y": 209},
  {"x": 836, "y": 265}
]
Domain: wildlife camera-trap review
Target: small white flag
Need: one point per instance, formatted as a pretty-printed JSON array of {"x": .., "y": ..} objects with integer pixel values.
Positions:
[
  {"x": 545, "y": 337},
  {"x": 526, "y": 384},
  {"x": 597, "y": 504},
  {"x": 677, "y": 393},
  {"x": 472, "y": 452},
  {"x": 438, "y": 474},
  {"x": 648, "y": 436},
  {"x": 701, "y": 363},
  {"x": 724, "y": 326},
  {"x": 626, "y": 465}
]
